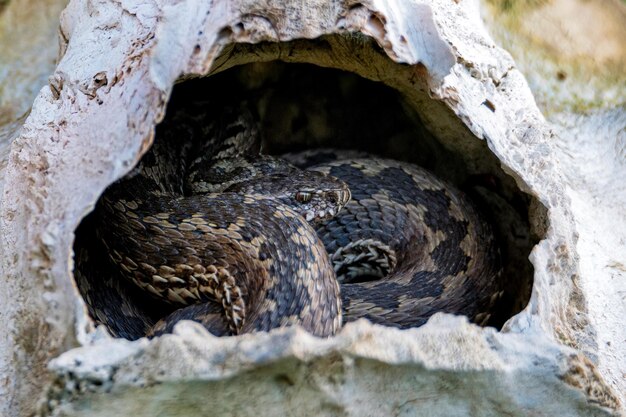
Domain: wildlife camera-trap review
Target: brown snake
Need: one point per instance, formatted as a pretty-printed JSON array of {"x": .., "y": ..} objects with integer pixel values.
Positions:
[{"x": 226, "y": 235}]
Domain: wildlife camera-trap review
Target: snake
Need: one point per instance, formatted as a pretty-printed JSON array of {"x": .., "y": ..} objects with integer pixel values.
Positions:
[
  {"x": 408, "y": 245},
  {"x": 241, "y": 241}
]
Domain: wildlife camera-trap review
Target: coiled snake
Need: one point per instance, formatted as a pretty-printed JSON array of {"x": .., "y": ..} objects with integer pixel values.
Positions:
[{"x": 244, "y": 242}]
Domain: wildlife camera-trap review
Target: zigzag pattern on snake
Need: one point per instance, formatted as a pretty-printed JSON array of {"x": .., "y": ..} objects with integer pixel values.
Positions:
[{"x": 214, "y": 226}]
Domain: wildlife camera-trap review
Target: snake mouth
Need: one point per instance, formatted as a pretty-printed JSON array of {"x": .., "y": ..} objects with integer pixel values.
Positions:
[
  {"x": 320, "y": 215},
  {"x": 325, "y": 205}
]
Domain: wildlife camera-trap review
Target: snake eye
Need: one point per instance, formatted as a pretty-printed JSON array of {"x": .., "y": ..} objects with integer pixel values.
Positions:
[{"x": 303, "y": 197}]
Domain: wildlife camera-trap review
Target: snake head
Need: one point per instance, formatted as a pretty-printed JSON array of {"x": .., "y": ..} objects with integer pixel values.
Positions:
[
  {"x": 319, "y": 202},
  {"x": 313, "y": 195}
]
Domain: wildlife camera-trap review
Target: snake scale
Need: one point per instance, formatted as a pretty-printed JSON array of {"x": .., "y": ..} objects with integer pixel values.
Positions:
[{"x": 242, "y": 242}]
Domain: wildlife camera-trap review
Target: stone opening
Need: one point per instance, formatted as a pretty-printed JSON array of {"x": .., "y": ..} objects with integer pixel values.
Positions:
[{"x": 303, "y": 106}]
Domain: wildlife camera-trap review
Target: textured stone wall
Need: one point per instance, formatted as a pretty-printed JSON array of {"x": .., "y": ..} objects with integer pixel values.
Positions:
[{"x": 117, "y": 66}]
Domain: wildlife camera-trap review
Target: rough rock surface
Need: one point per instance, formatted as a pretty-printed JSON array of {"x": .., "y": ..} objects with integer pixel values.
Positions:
[
  {"x": 579, "y": 81},
  {"x": 446, "y": 368},
  {"x": 118, "y": 63}
]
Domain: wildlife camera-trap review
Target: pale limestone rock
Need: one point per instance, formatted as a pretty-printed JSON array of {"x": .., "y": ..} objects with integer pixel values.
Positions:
[
  {"x": 119, "y": 61},
  {"x": 579, "y": 82},
  {"x": 366, "y": 370}
]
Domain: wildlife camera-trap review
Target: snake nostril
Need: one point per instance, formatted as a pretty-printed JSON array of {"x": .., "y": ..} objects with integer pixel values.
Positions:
[{"x": 345, "y": 196}]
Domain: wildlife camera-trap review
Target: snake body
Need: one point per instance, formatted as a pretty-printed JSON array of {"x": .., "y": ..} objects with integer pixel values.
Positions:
[
  {"x": 227, "y": 234},
  {"x": 408, "y": 245},
  {"x": 213, "y": 247},
  {"x": 245, "y": 261}
]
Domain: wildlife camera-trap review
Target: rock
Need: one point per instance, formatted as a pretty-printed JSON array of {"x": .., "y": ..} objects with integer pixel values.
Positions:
[
  {"x": 366, "y": 370},
  {"x": 118, "y": 64}
]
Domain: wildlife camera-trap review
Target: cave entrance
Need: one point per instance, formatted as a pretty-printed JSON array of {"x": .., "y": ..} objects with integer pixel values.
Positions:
[{"x": 301, "y": 107}]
